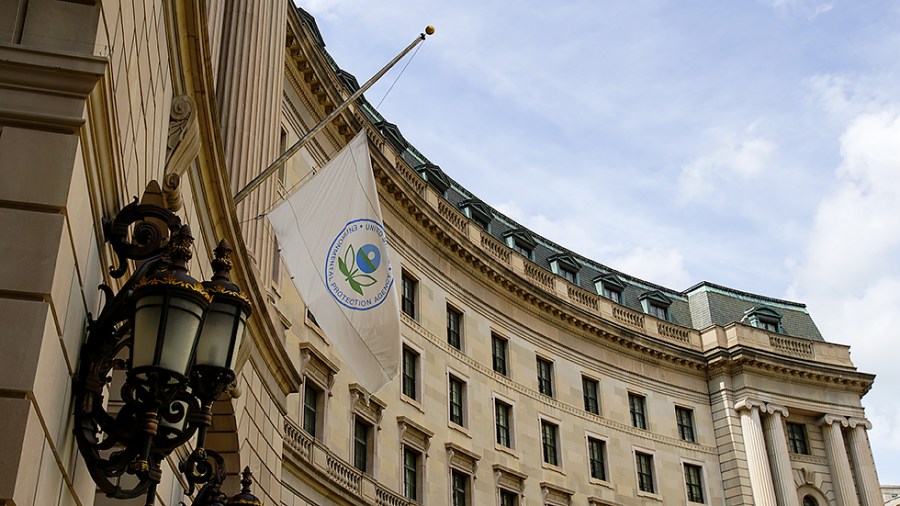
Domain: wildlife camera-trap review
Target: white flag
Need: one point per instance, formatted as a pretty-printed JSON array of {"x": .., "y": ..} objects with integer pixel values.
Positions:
[{"x": 333, "y": 241}]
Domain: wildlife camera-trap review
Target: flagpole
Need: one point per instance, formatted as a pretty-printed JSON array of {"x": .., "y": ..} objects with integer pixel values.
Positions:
[{"x": 258, "y": 180}]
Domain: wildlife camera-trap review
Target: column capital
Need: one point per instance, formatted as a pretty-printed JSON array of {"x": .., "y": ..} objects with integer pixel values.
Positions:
[
  {"x": 747, "y": 404},
  {"x": 830, "y": 419},
  {"x": 777, "y": 408},
  {"x": 853, "y": 422}
]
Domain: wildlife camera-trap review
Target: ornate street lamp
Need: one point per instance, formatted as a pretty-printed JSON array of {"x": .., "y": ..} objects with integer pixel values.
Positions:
[{"x": 176, "y": 339}]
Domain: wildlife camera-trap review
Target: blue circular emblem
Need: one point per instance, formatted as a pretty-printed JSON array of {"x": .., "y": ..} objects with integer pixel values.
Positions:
[
  {"x": 367, "y": 258},
  {"x": 356, "y": 274}
]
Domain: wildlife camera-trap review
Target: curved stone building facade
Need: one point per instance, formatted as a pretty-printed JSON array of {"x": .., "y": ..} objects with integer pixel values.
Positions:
[{"x": 531, "y": 375}]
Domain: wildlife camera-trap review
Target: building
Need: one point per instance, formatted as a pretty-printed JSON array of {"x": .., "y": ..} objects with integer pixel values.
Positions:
[{"x": 531, "y": 375}]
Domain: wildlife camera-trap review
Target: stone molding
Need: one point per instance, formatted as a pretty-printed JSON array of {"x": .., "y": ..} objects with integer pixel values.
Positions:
[
  {"x": 46, "y": 90},
  {"x": 853, "y": 422}
]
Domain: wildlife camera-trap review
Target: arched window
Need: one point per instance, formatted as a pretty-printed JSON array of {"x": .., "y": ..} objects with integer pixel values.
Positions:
[{"x": 810, "y": 501}]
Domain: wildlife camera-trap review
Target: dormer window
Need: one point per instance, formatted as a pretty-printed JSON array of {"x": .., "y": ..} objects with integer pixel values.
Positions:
[
  {"x": 478, "y": 212},
  {"x": 610, "y": 286},
  {"x": 521, "y": 241},
  {"x": 656, "y": 304},
  {"x": 565, "y": 266},
  {"x": 764, "y": 318},
  {"x": 434, "y": 176}
]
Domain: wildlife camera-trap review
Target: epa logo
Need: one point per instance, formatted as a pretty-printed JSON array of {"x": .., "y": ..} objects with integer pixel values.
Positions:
[{"x": 357, "y": 273}]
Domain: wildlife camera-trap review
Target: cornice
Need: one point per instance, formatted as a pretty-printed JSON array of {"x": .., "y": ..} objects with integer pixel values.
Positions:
[
  {"x": 407, "y": 195},
  {"x": 564, "y": 314},
  {"x": 741, "y": 358}
]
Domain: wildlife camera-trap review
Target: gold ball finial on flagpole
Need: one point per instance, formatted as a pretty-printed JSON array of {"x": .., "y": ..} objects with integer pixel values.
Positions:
[{"x": 429, "y": 30}]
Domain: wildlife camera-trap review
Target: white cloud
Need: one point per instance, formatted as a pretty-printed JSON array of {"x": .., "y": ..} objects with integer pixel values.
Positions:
[
  {"x": 851, "y": 274},
  {"x": 660, "y": 265},
  {"x": 856, "y": 233},
  {"x": 811, "y": 10},
  {"x": 732, "y": 162}
]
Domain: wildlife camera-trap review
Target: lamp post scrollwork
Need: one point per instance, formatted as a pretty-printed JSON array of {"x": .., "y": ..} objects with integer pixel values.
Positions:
[{"x": 176, "y": 340}]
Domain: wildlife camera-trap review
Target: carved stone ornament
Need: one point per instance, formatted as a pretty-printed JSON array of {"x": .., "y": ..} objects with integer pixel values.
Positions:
[{"x": 182, "y": 146}]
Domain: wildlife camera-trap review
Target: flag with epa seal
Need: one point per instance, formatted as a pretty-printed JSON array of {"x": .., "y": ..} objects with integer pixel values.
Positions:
[{"x": 334, "y": 244}]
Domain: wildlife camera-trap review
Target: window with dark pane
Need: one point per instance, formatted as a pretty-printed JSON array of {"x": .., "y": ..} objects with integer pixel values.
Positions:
[
  {"x": 502, "y": 412},
  {"x": 411, "y": 460},
  {"x": 637, "y": 407},
  {"x": 459, "y": 488},
  {"x": 796, "y": 433},
  {"x": 597, "y": 458},
  {"x": 310, "y": 408},
  {"x": 456, "y": 401},
  {"x": 508, "y": 498},
  {"x": 408, "y": 295},
  {"x": 545, "y": 376},
  {"x": 362, "y": 433},
  {"x": 410, "y": 373},
  {"x": 684, "y": 417},
  {"x": 499, "y": 350},
  {"x": 590, "y": 388},
  {"x": 693, "y": 481},
  {"x": 454, "y": 324},
  {"x": 644, "y": 463},
  {"x": 550, "y": 442}
]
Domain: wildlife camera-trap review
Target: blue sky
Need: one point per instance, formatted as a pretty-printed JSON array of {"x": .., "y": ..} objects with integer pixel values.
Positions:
[{"x": 754, "y": 144}]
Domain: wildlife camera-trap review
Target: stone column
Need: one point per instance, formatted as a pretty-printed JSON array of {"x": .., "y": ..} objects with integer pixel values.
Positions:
[
  {"x": 782, "y": 475},
  {"x": 841, "y": 479},
  {"x": 863, "y": 463},
  {"x": 249, "y": 92},
  {"x": 755, "y": 448}
]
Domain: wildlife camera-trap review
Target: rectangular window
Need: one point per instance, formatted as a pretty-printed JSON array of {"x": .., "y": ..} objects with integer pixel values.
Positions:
[
  {"x": 410, "y": 373},
  {"x": 525, "y": 251},
  {"x": 362, "y": 432},
  {"x": 411, "y": 459},
  {"x": 693, "y": 481},
  {"x": 508, "y": 498},
  {"x": 310, "y": 408},
  {"x": 276, "y": 265},
  {"x": 459, "y": 488},
  {"x": 597, "y": 458},
  {"x": 502, "y": 412},
  {"x": 612, "y": 295},
  {"x": 454, "y": 324},
  {"x": 499, "y": 350},
  {"x": 567, "y": 274},
  {"x": 644, "y": 463},
  {"x": 684, "y": 417},
  {"x": 768, "y": 325},
  {"x": 457, "y": 397},
  {"x": 408, "y": 295},
  {"x": 545, "y": 376},
  {"x": 550, "y": 442},
  {"x": 637, "y": 407},
  {"x": 660, "y": 312},
  {"x": 590, "y": 388},
  {"x": 797, "y": 438}
]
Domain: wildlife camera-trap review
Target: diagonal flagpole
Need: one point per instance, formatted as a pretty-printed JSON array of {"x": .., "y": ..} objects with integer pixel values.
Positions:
[{"x": 258, "y": 180}]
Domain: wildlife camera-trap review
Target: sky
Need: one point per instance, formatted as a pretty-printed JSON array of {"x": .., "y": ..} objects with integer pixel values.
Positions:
[{"x": 753, "y": 144}]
